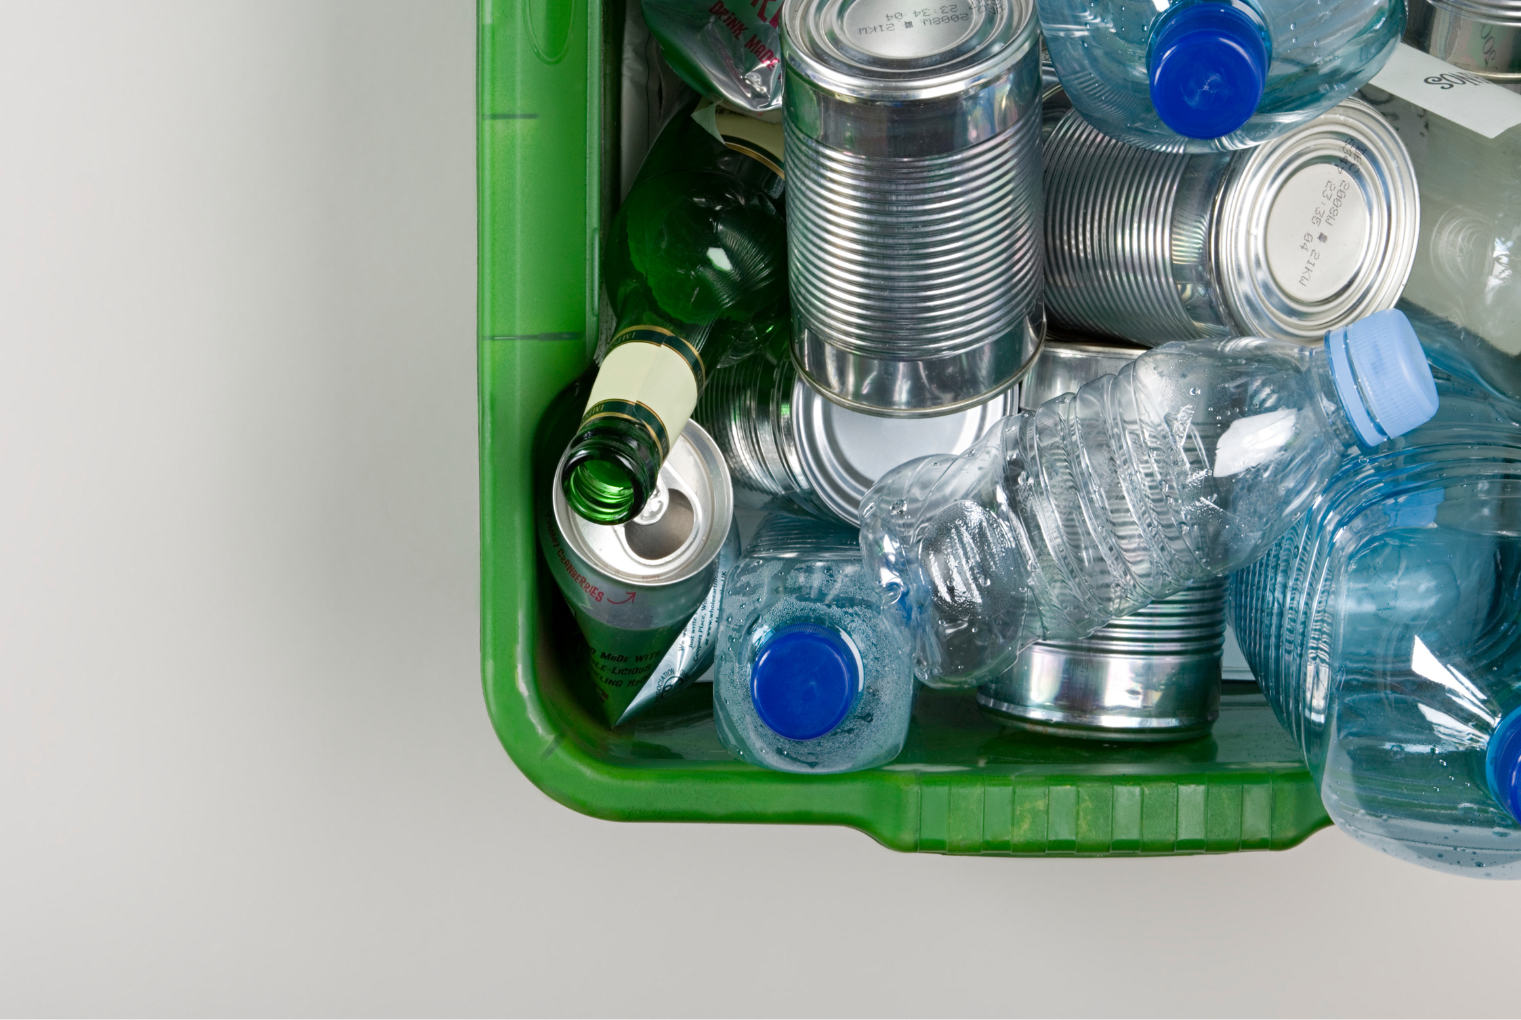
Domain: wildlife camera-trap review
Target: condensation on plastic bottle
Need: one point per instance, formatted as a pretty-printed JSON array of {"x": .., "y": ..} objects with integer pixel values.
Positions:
[
  {"x": 811, "y": 676},
  {"x": 1186, "y": 464}
]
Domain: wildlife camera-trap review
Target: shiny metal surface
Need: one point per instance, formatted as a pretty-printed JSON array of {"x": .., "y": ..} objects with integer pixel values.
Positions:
[
  {"x": 1482, "y": 36},
  {"x": 1302, "y": 234},
  {"x": 789, "y": 448},
  {"x": 844, "y": 452},
  {"x": 749, "y": 409},
  {"x": 1153, "y": 675},
  {"x": 913, "y": 200},
  {"x": 670, "y": 548},
  {"x": 1063, "y": 366}
]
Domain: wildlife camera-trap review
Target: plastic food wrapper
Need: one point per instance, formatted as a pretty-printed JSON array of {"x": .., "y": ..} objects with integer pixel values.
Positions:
[
  {"x": 691, "y": 653},
  {"x": 726, "y": 49}
]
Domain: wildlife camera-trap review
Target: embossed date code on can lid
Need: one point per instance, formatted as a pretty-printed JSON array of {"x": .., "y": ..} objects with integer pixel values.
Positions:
[
  {"x": 1317, "y": 228},
  {"x": 863, "y": 47},
  {"x": 905, "y": 29},
  {"x": 1317, "y": 232}
]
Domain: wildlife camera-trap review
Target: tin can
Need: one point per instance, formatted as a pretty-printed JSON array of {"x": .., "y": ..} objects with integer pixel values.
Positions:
[
  {"x": 634, "y": 586},
  {"x": 790, "y": 449},
  {"x": 1298, "y": 236},
  {"x": 1480, "y": 36},
  {"x": 1153, "y": 675},
  {"x": 913, "y": 199}
]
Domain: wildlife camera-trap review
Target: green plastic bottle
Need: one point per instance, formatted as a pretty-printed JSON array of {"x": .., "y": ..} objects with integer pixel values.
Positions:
[{"x": 696, "y": 271}]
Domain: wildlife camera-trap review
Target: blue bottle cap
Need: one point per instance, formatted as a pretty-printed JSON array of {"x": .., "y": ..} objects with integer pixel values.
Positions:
[
  {"x": 1382, "y": 376},
  {"x": 804, "y": 680},
  {"x": 1208, "y": 64},
  {"x": 1502, "y": 763}
]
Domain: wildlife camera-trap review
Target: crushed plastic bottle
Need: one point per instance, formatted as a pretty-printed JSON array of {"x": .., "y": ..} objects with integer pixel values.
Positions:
[{"x": 1186, "y": 464}]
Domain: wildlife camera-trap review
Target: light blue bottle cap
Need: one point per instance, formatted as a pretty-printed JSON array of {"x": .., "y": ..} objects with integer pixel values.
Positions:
[
  {"x": 1502, "y": 763},
  {"x": 1208, "y": 66},
  {"x": 804, "y": 680},
  {"x": 1382, "y": 376}
]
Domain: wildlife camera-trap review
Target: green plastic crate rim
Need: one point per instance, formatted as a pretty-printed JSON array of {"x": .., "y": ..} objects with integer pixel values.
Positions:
[{"x": 547, "y": 108}]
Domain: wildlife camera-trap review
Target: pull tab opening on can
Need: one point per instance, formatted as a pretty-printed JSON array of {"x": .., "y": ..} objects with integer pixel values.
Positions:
[{"x": 663, "y": 527}]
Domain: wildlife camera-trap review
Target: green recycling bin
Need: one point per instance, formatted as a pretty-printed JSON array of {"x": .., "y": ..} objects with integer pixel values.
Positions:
[{"x": 547, "y": 108}]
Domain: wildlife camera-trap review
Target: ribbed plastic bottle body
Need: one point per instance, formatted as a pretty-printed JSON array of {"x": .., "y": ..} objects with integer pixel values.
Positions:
[
  {"x": 803, "y": 573},
  {"x": 1321, "y": 52},
  {"x": 1185, "y": 465},
  {"x": 1384, "y": 629}
]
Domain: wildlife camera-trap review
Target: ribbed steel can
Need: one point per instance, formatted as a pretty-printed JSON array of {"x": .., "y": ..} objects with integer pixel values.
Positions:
[
  {"x": 1153, "y": 675},
  {"x": 913, "y": 199},
  {"x": 1481, "y": 36},
  {"x": 790, "y": 449},
  {"x": 1298, "y": 236},
  {"x": 634, "y": 586}
]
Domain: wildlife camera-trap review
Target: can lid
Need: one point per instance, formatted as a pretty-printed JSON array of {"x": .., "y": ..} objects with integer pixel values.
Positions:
[
  {"x": 1502, "y": 763},
  {"x": 1382, "y": 376},
  {"x": 804, "y": 680},
  {"x": 892, "y": 50},
  {"x": 1318, "y": 227},
  {"x": 680, "y": 530},
  {"x": 1208, "y": 65},
  {"x": 844, "y": 452}
]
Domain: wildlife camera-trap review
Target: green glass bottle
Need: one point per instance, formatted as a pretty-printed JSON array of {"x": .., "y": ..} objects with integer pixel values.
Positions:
[{"x": 696, "y": 271}]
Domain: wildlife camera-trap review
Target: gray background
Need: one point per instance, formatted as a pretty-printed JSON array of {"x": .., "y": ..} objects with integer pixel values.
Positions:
[{"x": 244, "y": 762}]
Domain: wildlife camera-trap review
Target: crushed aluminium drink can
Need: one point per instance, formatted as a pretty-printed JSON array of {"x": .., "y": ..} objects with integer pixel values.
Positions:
[
  {"x": 633, "y": 587},
  {"x": 727, "y": 49},
  {"x": 691, "y": 653}
]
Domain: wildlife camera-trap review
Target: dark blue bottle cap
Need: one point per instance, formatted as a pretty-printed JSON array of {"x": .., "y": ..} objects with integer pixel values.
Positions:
[
  {"x": 1208, "y": 64},
  {"x": 804, "y": 680},
  {"x": 1502, "y": 763}
]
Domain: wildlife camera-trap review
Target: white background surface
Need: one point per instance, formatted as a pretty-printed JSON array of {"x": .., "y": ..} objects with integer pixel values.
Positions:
[{"x": 245, "y": 766}]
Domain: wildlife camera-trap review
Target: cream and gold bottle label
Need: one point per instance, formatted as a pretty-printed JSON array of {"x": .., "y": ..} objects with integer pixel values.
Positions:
[
  {"x": 649, "y": 376},
  {"x": 759, "y": 139}
]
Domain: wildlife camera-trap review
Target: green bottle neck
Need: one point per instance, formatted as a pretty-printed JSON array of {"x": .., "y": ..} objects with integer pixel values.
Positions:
[{"x": 611, "y": 470}]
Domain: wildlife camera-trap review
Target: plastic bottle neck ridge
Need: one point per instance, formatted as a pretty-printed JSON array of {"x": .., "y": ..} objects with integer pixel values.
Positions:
[
  {"x": 1502, "y": 763},
  {"x": 1381, "y": 376},
  {"x": 1208, "y": 65},
  {"x": 804, "y": 680}
]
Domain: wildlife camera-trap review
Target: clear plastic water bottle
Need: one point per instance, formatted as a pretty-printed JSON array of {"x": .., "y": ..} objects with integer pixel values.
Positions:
[
  {"x": 1385, "y": 629},
  {"x": 1186, "y": 464},
  {"x": 811, "y": 676},
  {"x": 1205, "y": 75}
]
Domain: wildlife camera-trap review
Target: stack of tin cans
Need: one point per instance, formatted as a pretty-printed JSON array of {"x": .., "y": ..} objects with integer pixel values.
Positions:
[{"x": 942, "y": 201}]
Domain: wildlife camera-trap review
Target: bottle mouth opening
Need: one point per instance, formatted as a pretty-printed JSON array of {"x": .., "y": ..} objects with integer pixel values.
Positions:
[{"x": 603, "y": 489}]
